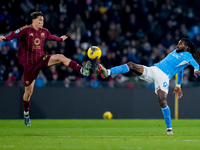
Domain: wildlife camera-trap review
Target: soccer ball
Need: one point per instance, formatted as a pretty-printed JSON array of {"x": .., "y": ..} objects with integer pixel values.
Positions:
[
  {"x": 107, "y": 115},
  {"x": 94, "y": 52}
]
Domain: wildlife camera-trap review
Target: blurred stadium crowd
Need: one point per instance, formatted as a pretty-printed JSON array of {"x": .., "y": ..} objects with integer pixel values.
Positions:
[{"x": 142, "y": 31}]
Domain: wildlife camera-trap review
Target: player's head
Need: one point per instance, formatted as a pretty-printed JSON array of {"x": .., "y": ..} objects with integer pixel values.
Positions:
[
  {"x": 186, "y": 45},
  {"x": 182, "y": 46},
  {"x": 37, "y": 19}
]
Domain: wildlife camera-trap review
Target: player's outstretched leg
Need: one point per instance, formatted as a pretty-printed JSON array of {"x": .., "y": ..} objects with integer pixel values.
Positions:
[
  {"x": 55, "y": 59},
  {"x": 85, "y": 70}
]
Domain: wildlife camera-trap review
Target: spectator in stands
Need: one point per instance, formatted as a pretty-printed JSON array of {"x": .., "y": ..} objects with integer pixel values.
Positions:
[
  {"x": 3, "y": 72},
  {"x": 41, "y": 80},
  {"x": 134, "y": 19},
  {"x": 15, "y": 72}
]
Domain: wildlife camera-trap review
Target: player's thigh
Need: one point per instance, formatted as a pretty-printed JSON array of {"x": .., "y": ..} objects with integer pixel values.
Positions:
[
  {"x": 161, "y": 81},
  {"x": 58, "y": 58},
  {"x": 29, "y": 89},
  {"x": 136, "y": 68},
  {"x": 147, "y": 75}
]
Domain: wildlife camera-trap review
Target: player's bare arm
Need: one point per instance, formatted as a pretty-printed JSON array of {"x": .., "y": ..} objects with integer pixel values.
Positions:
[
  {"x": 2, "y": 38},
  {"x": 196, "y": 73},
  {"x": 64, "y": 37},
  {"x": 178, "y": 91}
]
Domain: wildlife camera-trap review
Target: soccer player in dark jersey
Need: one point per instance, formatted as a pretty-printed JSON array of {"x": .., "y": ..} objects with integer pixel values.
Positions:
[{"x": 32, "y": 56}]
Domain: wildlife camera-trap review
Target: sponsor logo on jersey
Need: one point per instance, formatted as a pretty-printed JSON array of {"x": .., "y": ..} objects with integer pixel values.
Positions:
[
  {"x": 36, "y": 47},
  {"x": 37, "y": 41},
  {"x": 175, "y": 55},
  {"x": 17, "y": 31},
  {"x": 31, "y": 34}
]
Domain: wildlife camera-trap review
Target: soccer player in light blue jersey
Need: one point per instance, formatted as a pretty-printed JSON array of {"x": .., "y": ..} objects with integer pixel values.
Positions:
[{"x": 160, "y": 73}]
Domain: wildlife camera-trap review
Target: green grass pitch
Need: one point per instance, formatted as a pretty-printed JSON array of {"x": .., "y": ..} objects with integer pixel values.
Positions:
[{"x": 97, "y": 134}]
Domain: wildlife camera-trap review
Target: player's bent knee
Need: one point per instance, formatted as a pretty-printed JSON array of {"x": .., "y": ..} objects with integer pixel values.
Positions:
[
  {"x": 61, "y": 58},
  {"x": 29, "y": 92},
  {"x": 163, "y": 103},
  {"x": 161, "y": 94}
]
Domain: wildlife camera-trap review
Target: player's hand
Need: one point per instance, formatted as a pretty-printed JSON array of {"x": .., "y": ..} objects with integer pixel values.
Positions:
[
  {"x": 196, "y": 73},
  {"x": 63, "y": 37},
  {"x": 2, "y": 38},
  {"x": 178, "y": 91}
]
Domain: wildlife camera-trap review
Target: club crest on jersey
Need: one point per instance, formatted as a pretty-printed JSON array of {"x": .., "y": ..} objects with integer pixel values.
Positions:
[
  {"x": 31, "y": 34},
  {"x": 27, "y": 82},
  {"x": 17, "y": 31},
  {"x": 42, "y": 34}
]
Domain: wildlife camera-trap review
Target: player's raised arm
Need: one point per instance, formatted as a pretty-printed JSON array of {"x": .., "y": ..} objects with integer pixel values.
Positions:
[
  {"x": 64, "y": 37},
  {"x": 195, "y": 61},
  {"x": 15, "y": 34},
  {"x": 180, "y": 77},
  {"x": 53, "y": 37},
  {"x": 196, "y": 68}
]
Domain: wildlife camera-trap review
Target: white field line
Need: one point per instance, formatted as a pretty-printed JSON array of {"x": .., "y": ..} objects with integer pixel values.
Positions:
[
  {"x": 77, "y": 147},
  {"x": 7, "y": 146},
  {"x": 103, "y": 136}
]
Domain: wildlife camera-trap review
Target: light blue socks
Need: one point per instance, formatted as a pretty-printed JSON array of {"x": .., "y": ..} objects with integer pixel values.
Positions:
[
  {"x": 167, "y": 116},
  {"x": 119, "y": 69}
]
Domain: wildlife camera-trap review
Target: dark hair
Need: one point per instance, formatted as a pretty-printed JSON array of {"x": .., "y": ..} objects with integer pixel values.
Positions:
[
  {"x": 34, "y": 15},
  {"x": 192, "y": 49}
]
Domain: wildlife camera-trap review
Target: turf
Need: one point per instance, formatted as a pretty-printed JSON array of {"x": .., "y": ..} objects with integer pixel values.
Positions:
[{"x": 83, "y": 134}]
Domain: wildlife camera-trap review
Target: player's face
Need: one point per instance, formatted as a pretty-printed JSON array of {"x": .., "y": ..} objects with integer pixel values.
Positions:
[
  {"x": 39, "y": 21},
  {"x": 181, "y": 46}
]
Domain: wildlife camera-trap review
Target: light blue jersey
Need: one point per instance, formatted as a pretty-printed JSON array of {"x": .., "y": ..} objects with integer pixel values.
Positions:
[{"x": 175, "y": 63}]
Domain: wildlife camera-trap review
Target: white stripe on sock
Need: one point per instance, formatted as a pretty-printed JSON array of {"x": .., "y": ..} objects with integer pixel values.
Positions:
[
  {"x": 108, "y": 71},
  {"x": 26, "y": 112},
  {"x": 165, "y": 107}
]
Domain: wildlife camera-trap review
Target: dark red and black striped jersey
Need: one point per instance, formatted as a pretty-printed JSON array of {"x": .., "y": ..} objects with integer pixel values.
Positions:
[{"x": 31, "y": 43}]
